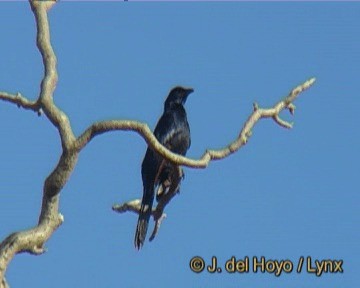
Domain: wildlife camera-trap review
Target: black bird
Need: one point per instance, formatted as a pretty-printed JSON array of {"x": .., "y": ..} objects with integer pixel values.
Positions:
[{"x": 172, "y": 131}]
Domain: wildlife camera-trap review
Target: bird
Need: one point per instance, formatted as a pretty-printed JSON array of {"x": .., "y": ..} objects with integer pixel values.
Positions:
[{"x": 172, "y": 131}]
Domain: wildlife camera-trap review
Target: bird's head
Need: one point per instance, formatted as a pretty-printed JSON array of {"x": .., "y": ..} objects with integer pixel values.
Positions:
[{"x": 177, "y": 95}]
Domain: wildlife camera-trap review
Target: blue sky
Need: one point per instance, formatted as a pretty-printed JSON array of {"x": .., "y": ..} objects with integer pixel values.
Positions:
[{"x": 287, "y": 194}]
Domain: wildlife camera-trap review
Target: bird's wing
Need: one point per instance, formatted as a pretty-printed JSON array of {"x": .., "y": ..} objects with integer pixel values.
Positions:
[
  {"x": 166, "y": 129},
  {"x": 173, "y": 133}
]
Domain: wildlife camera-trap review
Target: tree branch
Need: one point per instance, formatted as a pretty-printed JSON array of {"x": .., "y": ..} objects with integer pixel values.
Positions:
[
  {"x": 3, "y": 283},
  {"x": 21, "y": 101},
  {"x": 143, "y": 130},
  {"x": 48, "y": 84},
  {"x": 32, "y": 240}
]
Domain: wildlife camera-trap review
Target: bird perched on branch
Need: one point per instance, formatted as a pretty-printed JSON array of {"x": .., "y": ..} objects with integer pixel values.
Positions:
[{"x": 173, "y": 132}]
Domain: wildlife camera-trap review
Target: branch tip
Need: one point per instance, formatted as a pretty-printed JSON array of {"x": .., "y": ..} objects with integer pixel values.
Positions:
[
  {"x": 282, "y": 123},
  {"x": 36, "y": 250},
  {"x": 61, "y": 218},
  {"x": 291, "y": 107},
  {"x": 133, "y": 205},
  {"x": 244, "y": 138}
]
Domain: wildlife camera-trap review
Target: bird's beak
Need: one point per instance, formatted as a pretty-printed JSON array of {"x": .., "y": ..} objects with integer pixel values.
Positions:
[{"x": 189, "y": 91}]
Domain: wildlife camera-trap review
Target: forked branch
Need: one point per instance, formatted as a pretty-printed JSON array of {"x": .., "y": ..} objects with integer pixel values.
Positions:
[{"x": 32, "y": 240}]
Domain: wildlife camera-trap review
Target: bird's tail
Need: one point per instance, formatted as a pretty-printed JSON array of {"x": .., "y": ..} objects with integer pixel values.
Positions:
[{"x": 144, "y": 217}]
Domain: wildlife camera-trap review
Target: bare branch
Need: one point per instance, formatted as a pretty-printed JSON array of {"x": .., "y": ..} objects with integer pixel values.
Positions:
[
  {"x": 133, "y": 206},
  {"x": 282, "y": 123},
  {"x": 4, "y": 284},
  {"x": 20, "y": 101},
  {"x": 32, "y": 240},
  {"x": 48, "y": 84},
  {"x": 143, "y": 130},
  {"x": 57, "y": 117}
]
